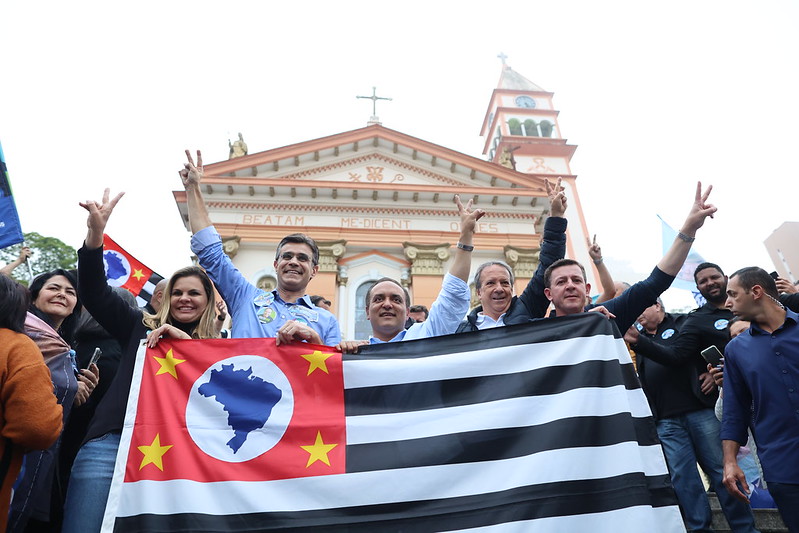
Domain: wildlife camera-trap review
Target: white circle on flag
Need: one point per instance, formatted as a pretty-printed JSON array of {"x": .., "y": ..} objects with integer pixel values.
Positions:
[
  {"x": 239, "y": 408},
  {"x": 117, "y": 268}
]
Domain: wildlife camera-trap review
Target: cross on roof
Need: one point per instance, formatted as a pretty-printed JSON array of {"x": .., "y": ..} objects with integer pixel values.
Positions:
[
  {"x": 503, "y": 57},
  {"x": 374, "y": 98}
]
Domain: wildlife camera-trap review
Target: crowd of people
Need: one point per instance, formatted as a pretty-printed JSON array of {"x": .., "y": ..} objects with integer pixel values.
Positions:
[{"x": 52, "y": 387}]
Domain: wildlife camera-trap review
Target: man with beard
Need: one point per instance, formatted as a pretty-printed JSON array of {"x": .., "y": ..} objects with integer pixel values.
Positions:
[
  {"x": 686, "y": 424},
  {"x": 285, "y": 313},
  {"x": 761, "y": 377}
]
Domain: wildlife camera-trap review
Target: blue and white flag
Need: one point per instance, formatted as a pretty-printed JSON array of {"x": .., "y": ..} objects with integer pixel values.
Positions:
[
  {"x": 10, "y": 229},
  {"x": 685, "y": 277}
]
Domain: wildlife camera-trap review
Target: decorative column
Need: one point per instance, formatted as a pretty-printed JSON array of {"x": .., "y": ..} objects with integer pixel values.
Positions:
[
  {"x": 427, "y": 270},
  {"x": 326, "y": 280},
  {"x": 524, "y": 261}
]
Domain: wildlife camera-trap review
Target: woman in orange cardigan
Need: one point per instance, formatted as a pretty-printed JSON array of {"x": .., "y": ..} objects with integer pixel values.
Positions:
[{"x": 30, "y": 417}]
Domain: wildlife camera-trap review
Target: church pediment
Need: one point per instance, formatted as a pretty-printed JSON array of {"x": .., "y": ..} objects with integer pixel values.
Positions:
[
  {"x": 375, "y": 157},
  {"x": 377, "y": 168},
  {"x": 368, "y": 179}
]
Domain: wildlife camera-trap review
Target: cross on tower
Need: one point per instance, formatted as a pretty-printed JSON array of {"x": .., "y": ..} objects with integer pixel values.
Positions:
[
  {"x": 503, "y": 57},
  {"x": 374, "y": 98}
]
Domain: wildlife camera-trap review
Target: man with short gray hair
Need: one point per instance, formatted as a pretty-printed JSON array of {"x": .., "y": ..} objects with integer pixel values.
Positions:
[{"x": 493, "y": 280}]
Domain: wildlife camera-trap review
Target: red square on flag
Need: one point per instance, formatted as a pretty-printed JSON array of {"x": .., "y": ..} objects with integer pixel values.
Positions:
[{"x": 238, "y": 409}]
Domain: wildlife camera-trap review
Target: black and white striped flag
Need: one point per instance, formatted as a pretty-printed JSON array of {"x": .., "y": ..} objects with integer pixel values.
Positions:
[{"x": 539, "y": 427}]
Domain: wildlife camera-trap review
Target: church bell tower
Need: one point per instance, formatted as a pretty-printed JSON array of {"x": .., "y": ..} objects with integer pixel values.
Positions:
[{"x": 521, "y": 132}]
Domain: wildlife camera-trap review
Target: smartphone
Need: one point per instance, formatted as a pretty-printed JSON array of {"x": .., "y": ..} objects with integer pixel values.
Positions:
[
  {"x": 712, "y": 355},
  {"x": 774, "y": 274},
  {"x": 95, "y": 356}
]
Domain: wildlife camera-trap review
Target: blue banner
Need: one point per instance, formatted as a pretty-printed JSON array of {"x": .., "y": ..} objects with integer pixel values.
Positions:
[
  {"x": 685, "y": 278},
  {"x": 10, "y": 229}
]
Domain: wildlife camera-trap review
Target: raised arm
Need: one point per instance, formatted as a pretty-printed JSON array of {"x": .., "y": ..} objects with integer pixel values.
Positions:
[
  {"x": 192, "y": 175},
  {"x": 462, "y": 263},
  {"x": 109, "y": 309},
  {"x": 605, "y": 279},
  {"x": 24, "y": 254},
  {"x": 99, "y": 213},
  {"x": 673, "y": 260},
  {"x": 553, "y": 247}
]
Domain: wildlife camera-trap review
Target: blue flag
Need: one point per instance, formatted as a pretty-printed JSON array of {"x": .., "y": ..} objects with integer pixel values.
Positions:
[
  {"x": 685, "y": 277},
  {"x": 10, "y": 229}
]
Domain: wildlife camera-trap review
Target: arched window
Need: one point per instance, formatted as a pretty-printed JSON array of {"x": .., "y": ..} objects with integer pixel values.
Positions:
[
  {"x": 515, "y": 126},
  {"x": 546, "y": 128},
  {"x": 363, "y": 328},
  {"x": 530, "y": 128}
]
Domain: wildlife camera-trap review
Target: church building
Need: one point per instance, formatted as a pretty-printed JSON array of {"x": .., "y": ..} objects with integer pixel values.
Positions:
[{"x": 379, "y": 202}]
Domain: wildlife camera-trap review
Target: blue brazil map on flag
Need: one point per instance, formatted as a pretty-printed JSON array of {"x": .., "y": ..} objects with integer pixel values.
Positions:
[
  {"x": 246, "y": 398},
  {"x": 535, "y": 427},
  {"x": 114, "y": 269}
]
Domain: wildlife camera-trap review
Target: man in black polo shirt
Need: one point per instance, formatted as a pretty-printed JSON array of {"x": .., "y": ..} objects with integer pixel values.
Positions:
[
  {"x": 686, "y": 424},
  {"x": 661, "y": 383}
]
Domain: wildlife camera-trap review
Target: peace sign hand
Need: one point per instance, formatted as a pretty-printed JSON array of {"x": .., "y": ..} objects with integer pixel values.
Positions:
[
  {"x": 469, "y": 218},
  {"x": 557, "y": 197},
  {"x": 192, "y": 174},
  {"x": 99, "y": 213}
]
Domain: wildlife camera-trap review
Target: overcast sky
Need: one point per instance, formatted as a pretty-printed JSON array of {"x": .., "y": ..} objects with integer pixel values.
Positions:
[{"x": 655, "y": 95}]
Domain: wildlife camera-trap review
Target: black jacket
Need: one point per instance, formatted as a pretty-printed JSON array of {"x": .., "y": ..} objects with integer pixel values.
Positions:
[{"x": 532, "y": 303}]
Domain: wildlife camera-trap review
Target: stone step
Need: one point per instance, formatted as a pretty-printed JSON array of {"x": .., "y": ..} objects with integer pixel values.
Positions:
[{"x": 766, "y": 520}]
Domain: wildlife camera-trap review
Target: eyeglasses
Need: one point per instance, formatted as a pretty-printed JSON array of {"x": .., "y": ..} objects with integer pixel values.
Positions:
[{"x": 288, "y": 256}]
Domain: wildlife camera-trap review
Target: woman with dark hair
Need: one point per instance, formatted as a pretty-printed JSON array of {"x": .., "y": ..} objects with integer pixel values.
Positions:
[
  {"x": 187, "y": 312},
  {"x": 51, "y": 320},
  {"x": 30, "y": 417}
]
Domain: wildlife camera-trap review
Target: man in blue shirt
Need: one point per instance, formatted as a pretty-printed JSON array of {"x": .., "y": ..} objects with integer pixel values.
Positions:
[
  {"x": 761, "y": 388},
  {"x": 387, "y": 302},
  {"x": 285, "y": 313}
]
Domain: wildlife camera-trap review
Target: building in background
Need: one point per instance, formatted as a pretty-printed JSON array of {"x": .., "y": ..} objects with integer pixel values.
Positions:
[{"x": 379, "y": 202}]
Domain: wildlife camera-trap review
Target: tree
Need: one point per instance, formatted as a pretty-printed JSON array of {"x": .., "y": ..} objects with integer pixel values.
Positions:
[{"x": 48, "y": 253}]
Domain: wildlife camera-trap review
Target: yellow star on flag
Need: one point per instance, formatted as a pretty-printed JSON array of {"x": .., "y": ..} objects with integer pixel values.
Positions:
[
  {"x": 138, "y": 274},
  {"x": 154, "y": 453},
  {"x": 317, "y": 360},
  {"x": 318, "y": 450},
  {"x": 168, "y": 364}
]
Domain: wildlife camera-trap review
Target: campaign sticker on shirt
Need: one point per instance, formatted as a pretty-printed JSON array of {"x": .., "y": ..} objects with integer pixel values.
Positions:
[
  {"x": 667, "y": 334},
  {"x": 307, "y": 315},
  {"x": 266, "y": 315},
  {"x": 721, "y": 323},
  {"x": 264, "y": 299}
]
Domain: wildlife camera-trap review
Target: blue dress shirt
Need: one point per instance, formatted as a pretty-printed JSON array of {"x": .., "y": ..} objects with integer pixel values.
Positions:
[
  {"x": 761, "y": 389},
  {"x": 445, "y": 316},
  {"x": 255, "y": 312}
]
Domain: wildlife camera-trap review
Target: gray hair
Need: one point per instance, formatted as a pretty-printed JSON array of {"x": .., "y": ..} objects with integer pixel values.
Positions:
[{"x": 487, "y": 264}]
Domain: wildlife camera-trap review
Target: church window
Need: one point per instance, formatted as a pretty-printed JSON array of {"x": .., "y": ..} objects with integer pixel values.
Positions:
[
  {"x": 515, "y": 126},
  {"x": 363, "y": 328},
  {"x": 530, "y": 128},
  {"x": 546, "y": 128}
]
